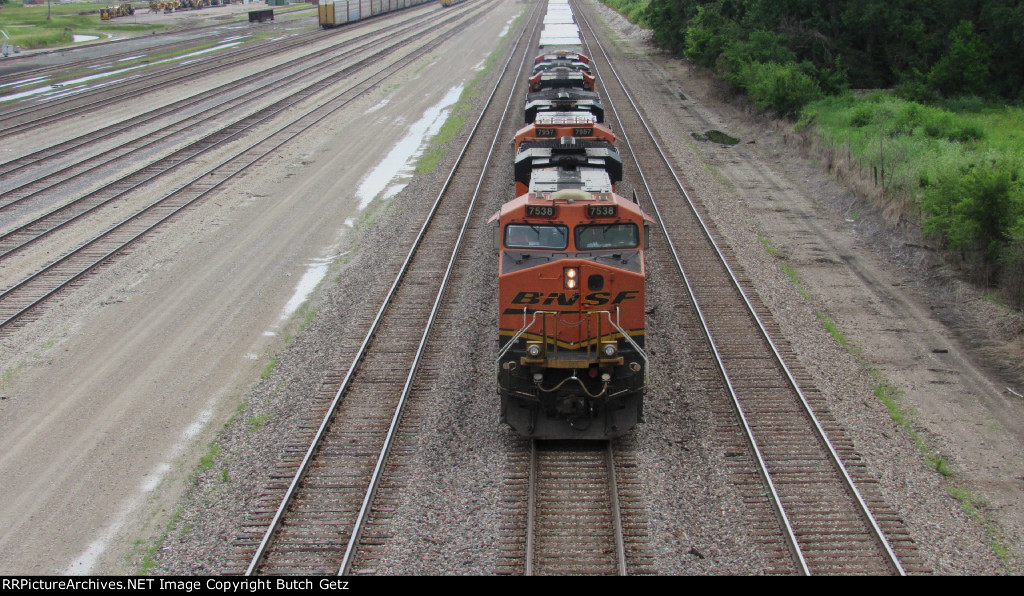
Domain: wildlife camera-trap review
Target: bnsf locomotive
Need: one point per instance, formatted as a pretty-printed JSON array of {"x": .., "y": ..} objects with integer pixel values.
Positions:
[
  {"x": 571, "y": 361},
  {"x": 571, "y": 295}
]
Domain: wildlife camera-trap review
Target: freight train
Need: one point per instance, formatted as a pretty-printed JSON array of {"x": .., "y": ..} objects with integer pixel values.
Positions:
[
  {"x": 571, "y": 276},
  {"x": 339, "y": 12}
]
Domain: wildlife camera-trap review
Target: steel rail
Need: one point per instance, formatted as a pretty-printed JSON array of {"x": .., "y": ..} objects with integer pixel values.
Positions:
[
  {"x": 613, "y": 491},
  {"x": 302, "y": 65},
  {"x": 531, "y": 507},
  {"x": 618, "y": 536},
  {"x": 321, "y": 431},
  {"x": 74, "y": 211},
  {"x": 179, "y": 72},
  {"x": 821, "y": 435},
  {"x": 313, "y": 118},
  {"x": 381, "y": 459},
  {"x": 199, "y": 32}
]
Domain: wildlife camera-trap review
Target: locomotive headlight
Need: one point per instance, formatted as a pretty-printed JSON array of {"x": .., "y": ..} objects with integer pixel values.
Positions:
[
  {"x": 533, "y": 349},
  {"x": 609, "y": 350},
  {"x": 572, "y": 275}
]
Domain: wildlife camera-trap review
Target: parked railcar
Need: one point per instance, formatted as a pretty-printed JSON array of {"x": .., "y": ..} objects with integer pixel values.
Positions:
[{"x": 333, "y": 13}]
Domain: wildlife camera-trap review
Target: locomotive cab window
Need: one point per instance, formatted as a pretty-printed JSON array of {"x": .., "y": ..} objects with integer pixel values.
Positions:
[
  {"x": 537, "y": 236},
  {"x": 602, "y": 236}
]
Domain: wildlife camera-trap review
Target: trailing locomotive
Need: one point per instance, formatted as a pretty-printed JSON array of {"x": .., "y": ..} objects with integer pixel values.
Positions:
[
  {"x": 566, "y": 141},
  {"x": 571, "y": 274}
]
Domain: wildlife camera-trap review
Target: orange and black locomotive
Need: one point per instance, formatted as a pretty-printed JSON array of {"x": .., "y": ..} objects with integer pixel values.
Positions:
[
  {"x": 571, "y": 277},
  {"x": 571, "y": 362}
]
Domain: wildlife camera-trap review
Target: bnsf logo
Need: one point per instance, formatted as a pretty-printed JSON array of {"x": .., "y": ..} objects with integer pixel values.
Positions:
[{"x": 561, "y": 299}]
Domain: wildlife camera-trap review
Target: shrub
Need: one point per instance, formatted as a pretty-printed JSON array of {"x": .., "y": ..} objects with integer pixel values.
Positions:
[
  {"x": 977, "y": 209},
  {"x": 1012, "y": 264},
  {"x": 940, "y": 124},
  {"x": 781, "y": 88}
]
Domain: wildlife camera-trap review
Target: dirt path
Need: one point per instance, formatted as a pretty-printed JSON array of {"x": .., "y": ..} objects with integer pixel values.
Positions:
[{"x": 815, "y": 251}]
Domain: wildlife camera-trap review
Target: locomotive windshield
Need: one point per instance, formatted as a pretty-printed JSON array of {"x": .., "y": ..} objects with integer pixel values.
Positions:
[
  {"x": 550, "y": 236},
  {"x": 622, "y": 235}
]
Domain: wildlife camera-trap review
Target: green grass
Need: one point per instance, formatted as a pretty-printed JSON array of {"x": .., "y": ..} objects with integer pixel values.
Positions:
[
  {"x": 715, "y": 136},
  {"x": 834, "y": 331},
  {"x": 915, "y": 142},
  {"x": 975, "y": 506},
  {"x": 207, "y": 460},
  {"x": 631, "y": 9},
  {"x": 255, "y": 423},
  {"x": 148, "y": 561},
  {"x": 269, "y": 368},
  {"x": 457, "y": 117},
  {"x": 29, "y": 27},
  {"x": 5, "y": 377}
]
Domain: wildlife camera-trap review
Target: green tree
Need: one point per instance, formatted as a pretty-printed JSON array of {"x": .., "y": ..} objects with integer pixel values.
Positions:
[{"x": 964, "y": 69}]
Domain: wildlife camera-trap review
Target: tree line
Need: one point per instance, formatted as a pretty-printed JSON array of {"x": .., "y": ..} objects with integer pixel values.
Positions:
[{"x": 924, "y": 49}]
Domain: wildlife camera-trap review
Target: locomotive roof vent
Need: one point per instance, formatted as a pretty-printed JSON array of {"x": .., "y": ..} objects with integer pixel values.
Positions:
[{"x": 570, "y": 195}]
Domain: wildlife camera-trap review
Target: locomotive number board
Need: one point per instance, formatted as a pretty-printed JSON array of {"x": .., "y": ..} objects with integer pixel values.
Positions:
[
  {"x": 540, "y": 211},
  {"x": 602, "y": 210},
  {"x": 545, "y": 132},
  {"x": 583, "y": 132}
]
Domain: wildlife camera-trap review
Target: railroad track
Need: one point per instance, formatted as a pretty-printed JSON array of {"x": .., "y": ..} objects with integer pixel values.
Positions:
[
  {"x": 70, "y": 55},
  {"x": 829, "y": 525},
  {"x": 323, "y": 520},
  {"x": 574, "y": 521},
  {"x": 24, "y": 298},
  {"x": 25, "y": 115},
  {"x": 211, "y": 129},
  {"x": 197, "y": 112}
]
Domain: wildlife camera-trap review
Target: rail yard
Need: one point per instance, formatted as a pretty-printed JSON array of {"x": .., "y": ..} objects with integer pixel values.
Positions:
[{"x": 172, "y": 380}]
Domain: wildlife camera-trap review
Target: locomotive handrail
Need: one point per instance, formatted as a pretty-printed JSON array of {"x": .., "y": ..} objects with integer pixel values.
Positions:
[
  {"x": 518, "y": 334},
  {"x": 625, "y": 335},
  {"x": 614, "y": 323}
]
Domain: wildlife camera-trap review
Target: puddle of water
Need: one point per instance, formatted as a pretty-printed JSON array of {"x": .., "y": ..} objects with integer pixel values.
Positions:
[
  {"x": 392, "y": 173},
  {"x": 85, "y": 562},
  {"x": 378, "y": 106},
  {"x": 24, "y": 82},
  {"x": 508, "y": 26},
  {"x": 314, "y": 273},
  {"x": 150, "y": 484},
  {"x": 82, "y": 80}
]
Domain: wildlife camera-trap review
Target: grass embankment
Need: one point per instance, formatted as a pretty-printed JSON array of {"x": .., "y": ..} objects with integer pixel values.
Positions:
[
  {"x": 457, "y": 117},
  {"x": 957, "y": 168},
  {"x": 38, "y": 26}
]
